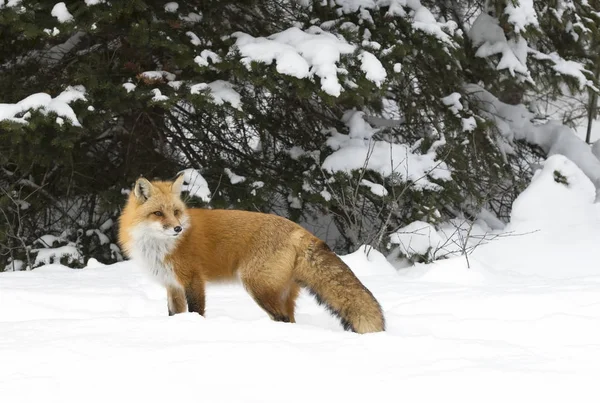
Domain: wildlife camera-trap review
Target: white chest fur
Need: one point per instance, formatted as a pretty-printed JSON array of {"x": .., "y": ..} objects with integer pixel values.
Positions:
[{"x": 150, "y": 253}]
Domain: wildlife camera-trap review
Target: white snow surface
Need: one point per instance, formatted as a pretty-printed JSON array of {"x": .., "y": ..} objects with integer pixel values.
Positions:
[{"x": 522, "y": 324}]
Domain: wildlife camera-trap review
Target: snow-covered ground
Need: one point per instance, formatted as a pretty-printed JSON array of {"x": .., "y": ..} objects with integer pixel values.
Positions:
[{"x": 522, "y": 324}]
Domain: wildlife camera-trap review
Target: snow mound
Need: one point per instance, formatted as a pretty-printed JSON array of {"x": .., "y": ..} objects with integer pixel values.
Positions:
[
  {"x": 417, "y": 238},
  {"x": 559, "y": 194}
]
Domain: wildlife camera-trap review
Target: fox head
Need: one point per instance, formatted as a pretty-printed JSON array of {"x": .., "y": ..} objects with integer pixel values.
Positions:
[{"x": 159, "y": 210}]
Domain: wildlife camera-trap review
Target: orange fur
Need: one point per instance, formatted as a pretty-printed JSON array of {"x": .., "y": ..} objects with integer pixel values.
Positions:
[{"x": 271, "y": 255}]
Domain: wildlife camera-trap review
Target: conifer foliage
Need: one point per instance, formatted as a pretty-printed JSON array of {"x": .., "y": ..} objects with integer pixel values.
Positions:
[{"x": 355, "y": 118}]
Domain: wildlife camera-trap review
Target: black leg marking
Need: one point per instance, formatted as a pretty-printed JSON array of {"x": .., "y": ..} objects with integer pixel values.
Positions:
[
  {"x": 195, "y": 302},
  {"x": 281, "y": 318}
]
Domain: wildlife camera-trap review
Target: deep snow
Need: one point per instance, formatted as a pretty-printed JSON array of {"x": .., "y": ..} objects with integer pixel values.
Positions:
[{"x": 521, "y": 325}]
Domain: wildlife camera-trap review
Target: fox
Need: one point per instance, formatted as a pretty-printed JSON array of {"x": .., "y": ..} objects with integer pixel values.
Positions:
[{"x": 186, "y": 248}]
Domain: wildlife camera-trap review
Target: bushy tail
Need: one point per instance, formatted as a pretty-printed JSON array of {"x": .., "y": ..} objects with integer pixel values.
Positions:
[{"x": 334, "y": 285}]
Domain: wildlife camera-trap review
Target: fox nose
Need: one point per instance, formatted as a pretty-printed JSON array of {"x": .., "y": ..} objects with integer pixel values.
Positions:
[{"x": 177, "y": 229}]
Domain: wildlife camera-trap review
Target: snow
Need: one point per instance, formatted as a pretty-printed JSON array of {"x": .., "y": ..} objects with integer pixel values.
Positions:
[
  {"x": 171, "y": 7},
  {"x": 9, "y": 3},
  {"x": 489, "y": 38},
  {"x": 14, "y": 265},
  {"x": 193, "y": 38},
  {"x": 158, "y": 75},
  {"x": 469, "y": 124},
  {"x": 233, "y": 178},
  {"x": 424, "y": 20},
  {"x": 565, "y": 67},
  {"x": 372, "y": 68},
  {"x": 94, "y": 2},
  {"x": 52, "y": 32},
  {"x": 417, "y": 238},
  {"x": 325, "y": 195},
  {"x": 61, "y": 13},
  {"x": 452, "y": 101},
  {"x": 158, "y": 96},
  {"x": 302, "y": 54},
  {"x": 357, "y": 150},
  {"x": 521, "y": 15},
  {"x": 192, "y": 18},
  {"x": 542, "y": 203},
  {"x": 54, "y": 255},
  {"x": 220, "y": 92},
  {"x": 521, "y": 324},
  {"x": 129, "y": 87},
  {"x": 101, "y": 236},
  {"x": 47, "y": 240},
  {"x": 375, "y": 188},
  {"x": 205, "y": 56},
  {"x": 514, "y": 122},
  {"x": 195, "y": 184},
  {"x": 45, "y": 104}
]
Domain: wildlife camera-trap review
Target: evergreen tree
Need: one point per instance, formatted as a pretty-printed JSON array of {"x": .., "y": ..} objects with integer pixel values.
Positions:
[{"x": 239, "y": 93}]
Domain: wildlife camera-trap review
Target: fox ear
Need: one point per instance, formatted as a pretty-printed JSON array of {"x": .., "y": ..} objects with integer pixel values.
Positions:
[
  {"x": 142, "y": 189},
  {"x": 176, "y": 185}
]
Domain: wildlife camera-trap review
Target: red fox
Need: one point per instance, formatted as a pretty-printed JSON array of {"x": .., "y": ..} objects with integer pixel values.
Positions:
[{"x": 184, "y": 248}]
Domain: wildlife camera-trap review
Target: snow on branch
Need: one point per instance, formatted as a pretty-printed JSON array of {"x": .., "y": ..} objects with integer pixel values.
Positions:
[
  {"x": 220, "y": 92},
  {"x": 515, "y": 122},
  {"x": 195, "y": 184},
  {"x": 61, "y": 13},
  {"x": 358, "y": 150},
  {"x": 422, "y": 18},
  {"x": 302, "y": 54},
  {"x": 521, "y": 15},
  {"x": 566, "y": 67},
  {"x": 45, "y": 104},
  {"x": 489, "y": 38},
  {"x": 9, "y": 3}
]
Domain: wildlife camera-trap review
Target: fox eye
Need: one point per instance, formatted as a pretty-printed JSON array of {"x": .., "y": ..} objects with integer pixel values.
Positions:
[
  {"x": 158, "y": 213},
  {"x": 176, "y": 212}
]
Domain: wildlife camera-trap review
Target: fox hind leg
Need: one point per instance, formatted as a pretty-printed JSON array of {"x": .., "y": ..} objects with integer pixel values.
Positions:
[
  {"x": 270, "y": 298},
  {"x": 290, "y": 301}
]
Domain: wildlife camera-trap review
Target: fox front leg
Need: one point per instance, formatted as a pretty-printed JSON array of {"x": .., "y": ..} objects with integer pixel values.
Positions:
[{"x": 176, "y": 300}]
